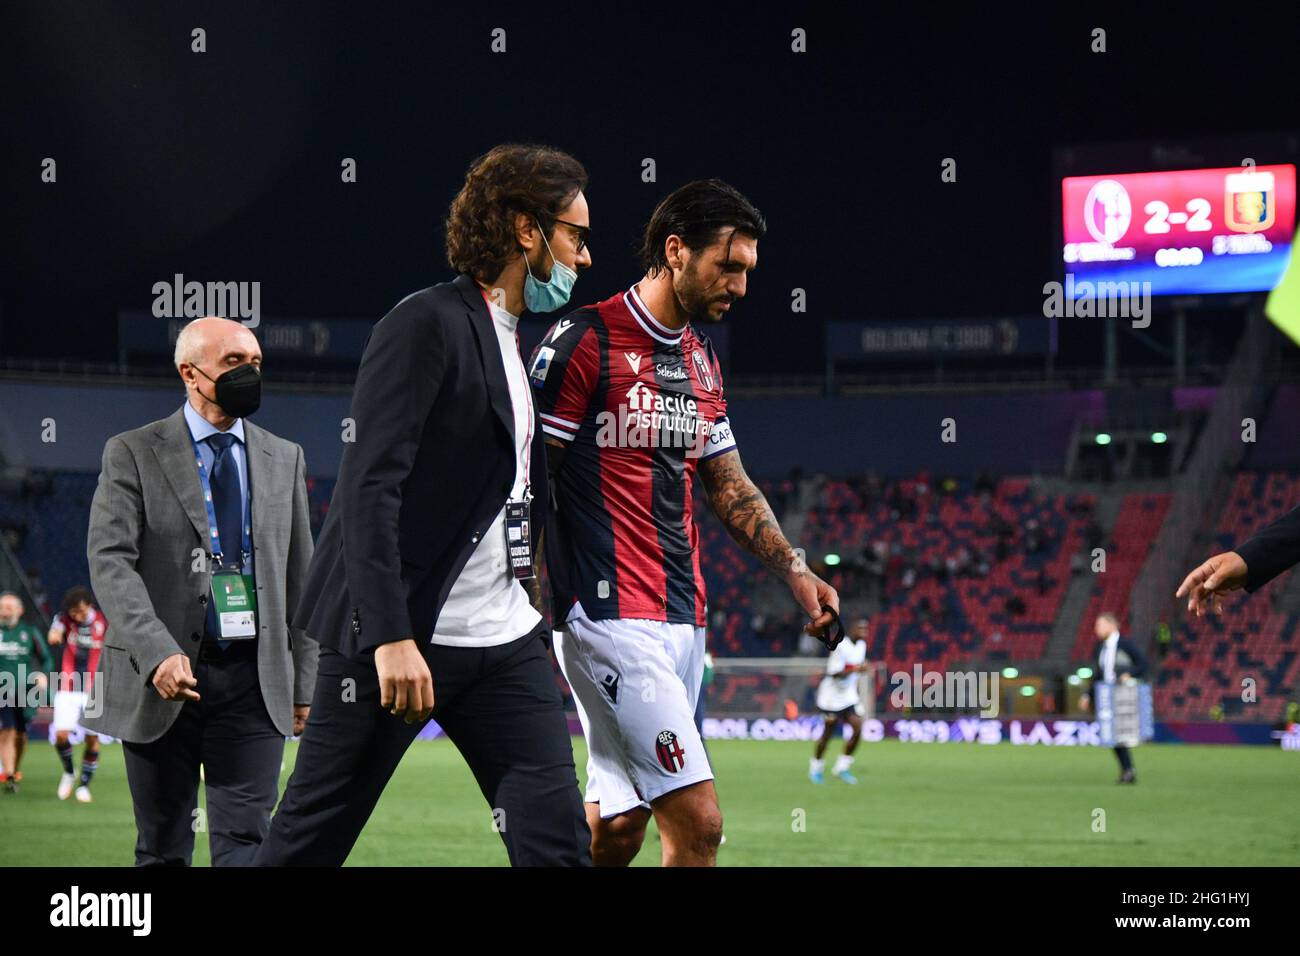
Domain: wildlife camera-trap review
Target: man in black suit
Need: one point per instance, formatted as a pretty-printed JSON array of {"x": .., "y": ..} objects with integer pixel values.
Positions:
[
  {"x": 1264, "y": 556},
  {"x": 417, "y": 590},
  {"x": 1118, "y": 661}
]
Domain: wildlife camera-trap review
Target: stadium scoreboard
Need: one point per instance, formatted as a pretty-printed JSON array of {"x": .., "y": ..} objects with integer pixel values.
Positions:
[{"x": 1186, "y": 232}]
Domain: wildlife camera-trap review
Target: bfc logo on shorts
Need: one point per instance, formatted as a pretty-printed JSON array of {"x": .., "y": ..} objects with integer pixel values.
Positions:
[{"x": 670, "y": 753}]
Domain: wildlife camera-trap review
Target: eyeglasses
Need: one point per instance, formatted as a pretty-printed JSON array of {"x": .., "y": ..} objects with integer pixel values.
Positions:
[{"x": 583, "y": 232}]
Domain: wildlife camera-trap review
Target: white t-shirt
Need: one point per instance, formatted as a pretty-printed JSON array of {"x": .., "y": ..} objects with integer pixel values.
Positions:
[
  {"x": 488, "y": 605},
  {"x": 838, "y": 689}
]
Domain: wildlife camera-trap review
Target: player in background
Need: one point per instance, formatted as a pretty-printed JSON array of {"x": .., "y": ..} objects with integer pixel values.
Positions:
[
  {"x": 839, "y": 701},
  {"x": 79, "y": 628},
  {"x": 1118, "y": 661},
  {"x": 22, "y": 653},
  {"x": 632, "y": 406}
]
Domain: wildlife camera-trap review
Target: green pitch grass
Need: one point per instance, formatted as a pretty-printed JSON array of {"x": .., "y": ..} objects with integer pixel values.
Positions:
[{"x": 933, "y": 804}]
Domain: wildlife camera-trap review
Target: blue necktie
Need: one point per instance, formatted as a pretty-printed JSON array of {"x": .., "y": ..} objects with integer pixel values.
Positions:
[{"x": 228, "y": 504}]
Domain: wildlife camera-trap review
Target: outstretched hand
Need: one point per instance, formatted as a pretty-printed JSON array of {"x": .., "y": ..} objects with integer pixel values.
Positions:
[{"x": 1223, "y": 572}]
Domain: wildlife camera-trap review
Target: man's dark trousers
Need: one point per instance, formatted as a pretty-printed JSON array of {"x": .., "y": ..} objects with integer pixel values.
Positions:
[
  {"x": 1125, "y": 759},
  {"x": 229, "y": 732},
  {"x": 502, "y": 709}
]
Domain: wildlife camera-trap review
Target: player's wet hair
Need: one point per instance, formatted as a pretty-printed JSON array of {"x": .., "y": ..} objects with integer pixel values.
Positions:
[
  {"x": 537, "y": 181},
  {"x": 698, "y": 212},
  {"x": 77, "y": 595}
]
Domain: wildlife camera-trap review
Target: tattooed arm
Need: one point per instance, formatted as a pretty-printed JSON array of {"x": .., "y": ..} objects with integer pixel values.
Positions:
[{"x": 748, "y": 518}]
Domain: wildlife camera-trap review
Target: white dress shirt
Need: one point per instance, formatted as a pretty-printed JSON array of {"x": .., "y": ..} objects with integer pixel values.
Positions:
[
  {"x": 1109, "y": 651},
  {"x": 488, "y": 605},
  {"x": 200, "y": 429}
]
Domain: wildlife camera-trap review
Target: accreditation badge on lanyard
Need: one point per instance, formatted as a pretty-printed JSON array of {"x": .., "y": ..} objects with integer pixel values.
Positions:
[
  {"x": 236, "y": 604},
  {"x": 519, "y": 536},
  {"x": 231, "y": 590}
]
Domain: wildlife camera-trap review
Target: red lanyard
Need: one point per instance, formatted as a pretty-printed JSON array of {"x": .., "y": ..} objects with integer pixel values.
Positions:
[{"x": 528, "y": 440}]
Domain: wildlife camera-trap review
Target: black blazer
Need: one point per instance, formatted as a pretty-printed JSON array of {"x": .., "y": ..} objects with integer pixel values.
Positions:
[
  {"x": 1136, "y": 665},
  {"x": 430, "y": 465},
  {"x": 1271, "y": 550}
]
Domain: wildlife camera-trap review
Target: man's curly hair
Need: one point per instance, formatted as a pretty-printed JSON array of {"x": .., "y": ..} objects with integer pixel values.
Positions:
[{"x": 537, "y": 181}]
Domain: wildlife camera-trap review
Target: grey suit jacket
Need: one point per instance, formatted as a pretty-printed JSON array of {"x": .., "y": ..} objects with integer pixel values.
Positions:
[{"x": 148, "y": 550}]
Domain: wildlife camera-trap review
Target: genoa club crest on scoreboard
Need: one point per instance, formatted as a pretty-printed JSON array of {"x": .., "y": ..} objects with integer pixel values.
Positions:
[{"x": 1250, "y": 202}]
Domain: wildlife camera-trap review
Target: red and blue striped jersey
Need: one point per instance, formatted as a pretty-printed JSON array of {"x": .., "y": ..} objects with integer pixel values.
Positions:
[
  {"x": 638, "y": 406},
  {"x": 82, "y": 645}
]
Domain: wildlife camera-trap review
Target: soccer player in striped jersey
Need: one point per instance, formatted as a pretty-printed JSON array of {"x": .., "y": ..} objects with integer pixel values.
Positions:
[
  {"x": 80, "y": 629},
  {"x": 633, "y": 409}
]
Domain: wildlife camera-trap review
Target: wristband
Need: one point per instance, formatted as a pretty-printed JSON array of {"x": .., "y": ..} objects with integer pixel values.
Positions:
[{"x": 835, "y": 633}]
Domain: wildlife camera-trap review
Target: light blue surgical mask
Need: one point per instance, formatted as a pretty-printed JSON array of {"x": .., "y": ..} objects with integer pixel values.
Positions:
[{"x": 550, "y": 295}]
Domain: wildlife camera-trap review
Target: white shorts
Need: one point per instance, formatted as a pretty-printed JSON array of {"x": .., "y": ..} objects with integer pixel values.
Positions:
[
  {"x": 836, "y": 694},
  {"x": 68, "y": 708},
  {"x": 636, "y": 683}
]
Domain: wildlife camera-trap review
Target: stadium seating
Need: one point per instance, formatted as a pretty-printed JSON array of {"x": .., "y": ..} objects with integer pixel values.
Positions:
[
  {"x": 1136, "y": 527},
  {"x": 730, "y": 574},
  {"x": 945, "y": 618},
  {"x": 942, "y": 619},
  {"x": 54, "y": 538},
  {"x": 1210, "y": 657}
]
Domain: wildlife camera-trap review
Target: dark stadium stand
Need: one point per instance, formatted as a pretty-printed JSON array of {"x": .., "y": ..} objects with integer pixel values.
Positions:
[
  {"x": 54, "y": 526},
  {"x": 1211, "y": 656},
  {"x": 53, "y": 530},
  {"x": 731, "y": 574},
  {"x": 1136, "y": 527},
  {"x": 939, "y": 608},
  {"x": 1010, "y": 550}
]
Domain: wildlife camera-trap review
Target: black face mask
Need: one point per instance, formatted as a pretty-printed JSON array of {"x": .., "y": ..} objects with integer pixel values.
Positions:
[{"x": 239, "y": 391}]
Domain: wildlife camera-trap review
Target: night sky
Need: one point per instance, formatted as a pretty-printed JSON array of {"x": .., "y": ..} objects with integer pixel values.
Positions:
[{"x": 225, "y": 165}]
